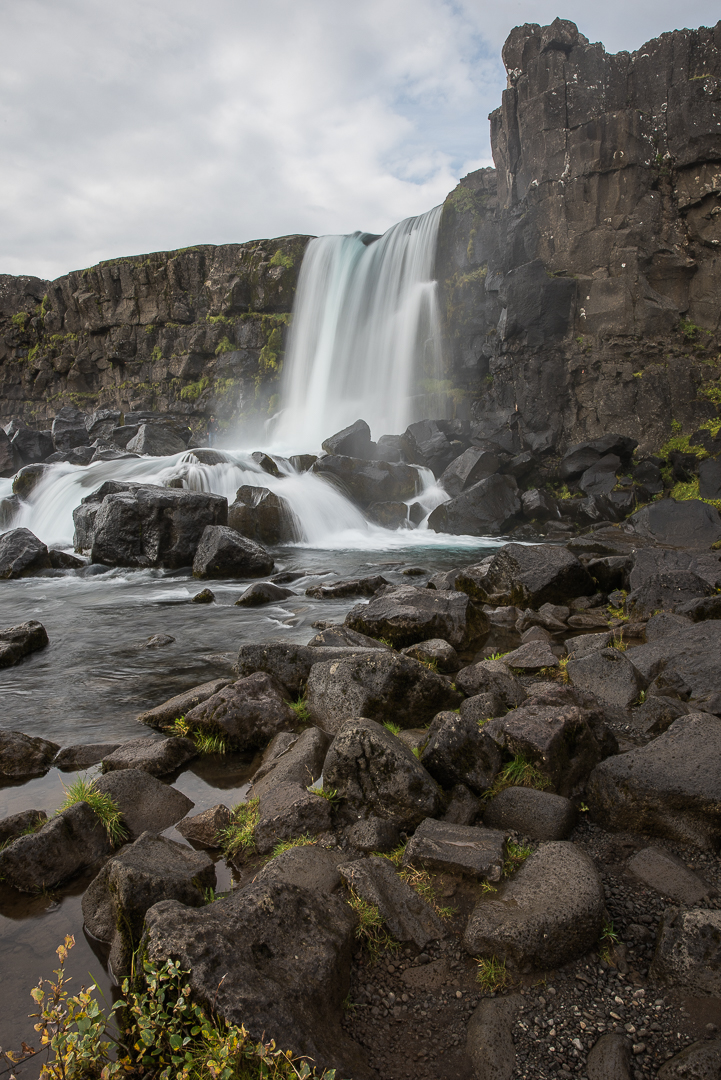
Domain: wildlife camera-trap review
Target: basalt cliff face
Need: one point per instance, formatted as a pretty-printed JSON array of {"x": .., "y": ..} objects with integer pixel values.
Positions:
[{"x": 580, "y": 279}]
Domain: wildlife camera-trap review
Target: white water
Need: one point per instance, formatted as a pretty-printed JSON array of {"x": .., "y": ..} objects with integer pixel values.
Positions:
[{"x": 365, "y": 334}]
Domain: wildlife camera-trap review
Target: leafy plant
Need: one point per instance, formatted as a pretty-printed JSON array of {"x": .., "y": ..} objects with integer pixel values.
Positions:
[
  {"x": 518, "y": 772},
  {"x": 103, "y": 806},
  {"x": 497, "y": 656},
  {"x": 492, "y": 975},
  {"x": 607, "y": 940},
  {"x": 238, "y": 838}
]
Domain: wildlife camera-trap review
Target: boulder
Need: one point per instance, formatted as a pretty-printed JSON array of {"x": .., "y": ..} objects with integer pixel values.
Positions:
[
  {"x": 247, "y": 967},
  {"x": 353, "y": 441},
  {"x": 610, "y": 1058},
  {"x": 291, "y": 758},
  {"x": 700, "y": 609},
  {"x": 688, "y": 950},
  {"x": 19, "y": 641},
  {"x": 343, "y": 637},
  {"x": 374, "y": 773},
  {"x": 9, "y": 509},
  {"x": 25, "y": 822},
  {"x": 474, "y": 851},
  {"x": 469, "y": 468},
  {"x": 539, "y": 506},
  {"x": 539, "y": 815},
  {"x": 488, "y": 508},
  {"x": 66, "y": 844},
  {"x": 374, "y": 834},
  {"x": 700, "y": 1061},
  {"x": 263, "y": 516},
  {"x": 24, "y": 756},
  {"x": 669, "y": 876},
  {"x": 291, "y": 664},
  {"x": 205, "y": 596},
  {"x": 600, "y": 478},
  {"x": 162, "y": 716},
  {"x": 9, "y": 463},
  {"x": 156, "y": 440},
  {"x": 611, "y": 572},
  {"x": 670, "y": 788},
  {"x": 585, "y": 644},
  {"x": 140, "y": 875},
  {"x": 309, "y": 866},
  {"x": 664, "y": 623},
  {"x": 489, "y": 1039},
  {"x": 657, "y": 714},
  {"x": 69, "y": 430},
  {"x": 491, "y": 677},
  {"x": 154, "y": 756},
  {"x": 444, "y": 579},
  {"x": 288, "y": 810},
  {"x": 335, "y": 590},
  {"x": 549, "y": 913},
  {"x": 22, "y": 554},
  {"x": 532, "y": 656},
  {"x": 223, "y": 552},
  {"x": 668, "y": 591},
  {"x": 32, "y": 446},
  {"x": 203, "y": 828},
  {"x": 249, "y": 712},
  {"x": 381, "y": 686},
  {"x": 390, "y": 515},
  {"x": 407, "y": 614},
  {"x": 527, "y": 576},
  {"x": 689, "y": 524},
  {"x": 82, "y": 756},
  {"x": 709, "y": 478},
  {"x": 693, "y": 654},
  {"x": 145, "y": 802},
  {"x": 406, "y": 915},
  {"x": 266, "y": 463},
  {"x": 367, "y": 482},
  {"x": 463, "y": 807},
  {"x": 152, "y": 526},
  {"x": 263, "y": 592},
  {"x": 458, "y": 751},
  {"x": 584, "y": 455},
  {"x": 436, "y": 653},
  {"x": 609, "y": 674}
]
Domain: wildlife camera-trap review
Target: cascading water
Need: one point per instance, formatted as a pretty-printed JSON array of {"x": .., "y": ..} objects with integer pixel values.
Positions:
[{"x": 365, "y": 334}]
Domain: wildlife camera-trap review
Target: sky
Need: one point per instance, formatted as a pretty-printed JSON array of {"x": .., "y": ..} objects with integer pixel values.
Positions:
[{"x": 130, "y": 126}]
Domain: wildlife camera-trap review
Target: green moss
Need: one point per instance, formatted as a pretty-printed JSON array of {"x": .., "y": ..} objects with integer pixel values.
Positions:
[
  {"x": 219, "y": 320},
  {"x": 683, "y": 491},
  {"x": 156, "y": 354},
  {"x": 690, "y": 330},
  {"x": 19, "y": 320},
  {"x": 225, "y": 387},
  {"x": 712, "y": 426},
  {"x": 225, "y": 346},
  {"x": 192, "y": 391},
  {"x": 462, "y": 200},
  {"x": 279, "y": 259},
  {"x": 32, "y": 353},
  {"x": 682, "y": 444}
]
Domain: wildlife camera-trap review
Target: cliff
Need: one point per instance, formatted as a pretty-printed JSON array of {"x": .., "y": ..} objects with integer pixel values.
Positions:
[{"x": 580, "y": 279}]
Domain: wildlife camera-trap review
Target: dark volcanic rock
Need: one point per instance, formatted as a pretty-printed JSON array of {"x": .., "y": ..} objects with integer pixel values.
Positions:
[
  {"x": 353, "y": 441},
  {"x": 32, "y": 446},
  {"x": 458, "y": 751},
  {"x": 19, "y": 824},
  {"x": 70, "y": 842},
  {"x": 391, "y": 515},
  {"x": 263, "y": 592},
  {"x": 693, "y": 654},
  {"x": 334, "y": 590},
  {"x": 469, "y": 468},
  {"x": 609, "y": 674},
  {"x": 701, "y": 1060},
  {"x": 669, "y": 876},
  {"x": 163, "y": 715},
  {"x": 203, "y": 828},
  {"x": 250, "y": 712},
  {"x": 82, "y": 756},
  {"x": 690, "y": 524},
  {"x": 223, "y": 552},
  {"x": 291, "y": 664},
  {"x": 156, "y": 440},
  {"x": 291, "y": 758},
  {"x": 288, "y": 810},
  {"x": 538, "y": 814},
  {"x": 407, "y": 614},
  {"x": 436, "y": 652},
  {"x": 19, "y": 641},
  {"x": 407, "y": 916},
  {"x": 22, "y": 755},
  {"x": 688, "y": 951},
  {"x": 342, "y": 637},
  {"x": 9, "y": 463},
  {"x": 492, "y": 677},
  {"x": 21, "y": 554},
  {"x": 488, "y": 508},
  {"x": 474, "y": 851},
  {"x": 69, "y": 429},
  {"x": 367, "y": 482},
  {"x": 154, "y": 756},
  {"x": 263, "y": 516},
  {"x": 527, "y": 576},
  {"x": 145, "y": 802}
]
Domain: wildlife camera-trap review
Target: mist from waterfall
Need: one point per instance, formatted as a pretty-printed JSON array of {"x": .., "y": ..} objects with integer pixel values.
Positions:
[{"x": 365, "y": 337}]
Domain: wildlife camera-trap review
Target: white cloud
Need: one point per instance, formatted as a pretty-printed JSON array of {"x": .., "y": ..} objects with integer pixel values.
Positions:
[{"x": 149, "y": 124}]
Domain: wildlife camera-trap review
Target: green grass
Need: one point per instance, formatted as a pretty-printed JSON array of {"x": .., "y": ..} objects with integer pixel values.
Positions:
[
  {"x": 287, "y": 845},
  {"x": 371, "y": 931},
  {"x": 103, "y": 806},
  {"x": 418, "y": 879},
  {"x": 206, "y": 742},
  {"x": 519, "y": 772},
  {"x": 393, "y": 728},
  {"x": 607, "y": 940},
  {"x": 683, "y": 491},
  {"x": 516, "y": 855},
  {"x": 492, "y": 975},
  {"x": 238, "y": 838},
  {"x": 301, "y": 710},
  {"x": 330, "y": 794},
  {"x": 497, "y": 656}
]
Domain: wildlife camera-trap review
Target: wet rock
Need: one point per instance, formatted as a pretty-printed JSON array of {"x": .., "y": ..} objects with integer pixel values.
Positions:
[
  {"x": 408, "y": 614},
  {"x": 82, "y": 756},
  {"x": 142, "y": 874},
  {"x": 27, "y": 479},
  {"x": 550, "y": 912},
  {"x": 610, "y": 1058},
  {"x": 9, "y": 509},
  {"x": 375, "y": 773},
  {"x": 426, "y": 444},
  {"x": 444, "y": 579},
  {"x": 666, "y": 590},
  {"x": 539, "y": 815},
  {"x": 69, "y": 430},
  {"x": 475, "y": 851},
  {"x": 693, "y": 654},
  {"x": 381, "y": 686},
  {"x": 62, "y": 560},
  {"x": 26, "y": 821},
  {"x": 203, "y": 828},
  {"x": 539, "y": 506},
  {"x": 9, "y": 462},
  {"x": 19, "y": 641},
  {"x": 175, "y": 707},
  {"x": 291, "y": 664},
  {"x": 489, "y": 1041},
  {"x": 342, "y": 636},
  {"x": 335, "y": 590},
  {"x": 251, "y": 938},
  {"x": 22, "y": 554},
  {"x": 689, "y": 524},
  {"x": 609, "y": 674},
  {"x": 249, "y": 712},
  {"x": 156, "y": 440},
  {"x": 70, "y": 842},
  {"x": 263, "y": 516},
  {"x": 145, "y": 802},
  {"x": 688, "y": 950},
  {"x": 308, "y": 866},
  {"x": 263, "y": 592},
  {"x": 288, "y": 810},
  {"x": 158, "y": 641},
  {"x": 527, "y": 576},
  {"x": 291, "y": 758},
  {"x": 589, "y": 620},
  {"x": 491, "y": 677},
  {"x": 437, "y": 653},
  {"x": 671, "y": 787},
  {"x": 154, "y": 756},
  {"x": 469, "y": 468},
  {"x": 223, "y": 552},
  {"x": 585, "y": 455},
  {"x": 458, "y": 751},
  {"x": 22, "y": 755},
  {"x": 488, "y": 508},
  {"x": 669, "y": 876},
  {"x": 391, "y": 515},
  {"x": 353, "y": 441},
  {"x": 367, "y": 482},
  {"x": 407, "y": 916},
  {"x": 374, "y": 834},
  {"x": 532, "y": 656},
  {"x": 266, "y": 463},
  {"x": 700, "y": 1061},
  {"x": 205, "y": 596}
]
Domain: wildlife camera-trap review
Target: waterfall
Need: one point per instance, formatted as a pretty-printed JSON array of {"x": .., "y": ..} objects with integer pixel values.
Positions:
[{"x": 365, "y": 334}]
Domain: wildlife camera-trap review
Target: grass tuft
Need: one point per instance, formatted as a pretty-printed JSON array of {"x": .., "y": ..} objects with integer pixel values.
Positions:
[
  {"x": 238, "y": 838},
  {"x": 393, "y": 728},
  {"x": 287, "y": 845},
  {"x": 103, "y": 806},
  {"x": 516, "y": 855},
  {"x": 519, "y": 772},
  {"x": 206, "y": 742},
  {"x": 492, "y": 975},
  {"x": 331, "y": 793},
  {"x": 371, "y": 931},
  {"x": 301, "y": 710}
]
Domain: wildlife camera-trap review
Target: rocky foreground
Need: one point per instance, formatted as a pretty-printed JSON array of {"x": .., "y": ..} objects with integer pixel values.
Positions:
[{"x": 497, "y": 797}]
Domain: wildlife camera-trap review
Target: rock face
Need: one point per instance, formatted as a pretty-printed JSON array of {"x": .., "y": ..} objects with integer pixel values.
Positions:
[{"x": 407, "y": 614}]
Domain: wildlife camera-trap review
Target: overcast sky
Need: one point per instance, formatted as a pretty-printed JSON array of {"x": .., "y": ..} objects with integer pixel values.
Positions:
[{"x": 129, "y": 126}]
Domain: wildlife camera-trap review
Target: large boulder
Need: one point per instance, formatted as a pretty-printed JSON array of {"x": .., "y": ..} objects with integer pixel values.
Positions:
[
  {"x": 24, "y": 756},
  {"x": 155, "y": 756},
  {"x": 367, "y": 482},
  {"x": 19, "y": 641},
  {"x": 249, "y": 712},
  {"x": 492, "y": 679},
  {"x": 263, "y": 592},
  {"x": 539, "y": 815},
  {"x": 353, "y": 441},
  {"x": 374, "y": 773},
  {"x": 584, "y": 455},
  {"x": 291, "y": 664},
  {"x": 27, "y": 479},
  {"x": 670, "y": 788},
  {"x": 69, "y": 429},
  {"x": 406, "y": 915},
  {"x": 288, "y": 810},
  {"x": 609, "y": 674},
  {"x": 550, "y": 912},
  {"x": 688, "y": 950},
  {"x": 458, "y": 751},
  {"x": 156, "y": 440},
  {"x": 272, "y": 956},
  {"x": 152, "y": 526},
  {"x": 406, "y": 614},
  {"x": 145, "y": 802},
  {"x": 488, "y": 508},
  {"x": 527, "y": 576},
  {"x": 689, "y": 524},
  {"x": 22, "y": 554},
  {"x": 469, "y": 468},
  {"x": 32, "y": 446},
  {"x": 474, "y": 851},
  {"x": 140, "y": 875},
  {"x": 162, "y": 716},
  {"x": 291, "y": 758},
  {"x": 66, "y": 844},
  {"x": 223, "y": 552},
  {"x": 436, "y": 653},
  {"x": 693, "y": 654},
  {"x": 263, "y": 516},
  {"x": 381, "y": 686}
]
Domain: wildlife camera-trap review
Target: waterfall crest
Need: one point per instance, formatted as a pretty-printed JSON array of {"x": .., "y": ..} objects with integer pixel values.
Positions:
[{"x": 365, "y": 334}]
